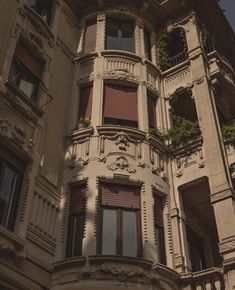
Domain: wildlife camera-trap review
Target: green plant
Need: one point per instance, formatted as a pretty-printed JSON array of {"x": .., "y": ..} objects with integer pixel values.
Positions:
[
  {"x": 182, "y": 131},
  {"x": 84, "y": 122},
  {"x": 156, "y": 132},
  {"x": 228, "y": 132},
  {"x": 163, "y": 57}
]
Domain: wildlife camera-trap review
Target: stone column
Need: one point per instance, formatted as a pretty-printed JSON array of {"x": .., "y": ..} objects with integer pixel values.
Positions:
[
  {"x": 100, "y": 36},
  {"x": 143, "y": 107},
  {"x": 139, "y": 37},
  {"x": 221, "y": 193}
]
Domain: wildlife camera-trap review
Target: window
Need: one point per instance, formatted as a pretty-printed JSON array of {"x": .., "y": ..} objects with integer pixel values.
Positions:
[
  {"x": 90, "y": 38},
  {"x": 76, "y": 220},
  {"x": 120, "y": 207},
  {"x": 120, "y": 105},
  {"x": 11, "y": 173},
  {"x": 159, "y": 228},
  {"x": 26, "y": 71},
  {"x": 147, "y": 45},
  {"x": 42, "y": 7},
  {"x": 151, "y": 112},
  {"x": 119, "y": 35},
  {"x": 196, "y": 250},
  {"x": 85, "y": 104}
]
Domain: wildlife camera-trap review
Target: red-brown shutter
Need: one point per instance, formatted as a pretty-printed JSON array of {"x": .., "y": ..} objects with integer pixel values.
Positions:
[
  {"x": 120, "y": 102},
  {"x": 120, "y": 195},
  {"x": 29, "y": 60},
  {"x": 85, "y": 102},
  {"x": 151, "y": 112},
  {"x": 78, "y": 199},
  {"x": 90, "y": 38},
  {"x": 158, "y": 210}
]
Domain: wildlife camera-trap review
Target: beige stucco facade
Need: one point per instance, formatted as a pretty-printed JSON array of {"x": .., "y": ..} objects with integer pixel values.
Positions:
[{"x": 196, "y": 179}]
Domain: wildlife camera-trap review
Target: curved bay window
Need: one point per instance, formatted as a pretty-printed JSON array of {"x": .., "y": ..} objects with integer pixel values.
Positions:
[
  {"x": 120, "y": 105},
  {"x": 120, "y": 219},
  {"x": 76, "y": 220},
  {"x": 26, "y": 71},
  {"x": 11, "y": 174},
  {"x": 119, "y": 35},
  {"x": 42, "y": 7}
]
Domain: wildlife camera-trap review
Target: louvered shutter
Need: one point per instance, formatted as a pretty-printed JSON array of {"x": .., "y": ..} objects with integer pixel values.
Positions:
[
  {"x": 158, "y": 210},
  {"x": 85, "y": 102},
  {"x": 78, "y": 199},
  {"x": 90, "y": 38}
]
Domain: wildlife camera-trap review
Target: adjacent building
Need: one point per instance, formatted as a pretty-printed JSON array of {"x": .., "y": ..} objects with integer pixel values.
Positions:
[{"x": 117, "y": 155}]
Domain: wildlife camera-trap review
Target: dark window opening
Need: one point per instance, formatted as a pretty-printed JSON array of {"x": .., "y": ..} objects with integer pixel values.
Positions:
[
  {"x": 120, "y": 105},
  {"x": 119, "y": 35},
  {"x": 11, "y": 174},
  {"x": 85, "y": 102},
  {"x": 76, "y": 221},
  {"x": 120, "y": 208},
  {"x": 159, "y": 228},
  {"x": 43, "y": 8},
  {"x": 26, "y": 71},
  {"x": 172, "y": 49},
  {"x": 152, "y": 112},
  {"x": 147, "y": 45},
  {"x": 90, "y": 38}
]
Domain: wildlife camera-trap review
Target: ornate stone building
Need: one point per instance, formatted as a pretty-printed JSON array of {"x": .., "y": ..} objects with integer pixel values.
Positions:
[{"x": 117, "y": 157}]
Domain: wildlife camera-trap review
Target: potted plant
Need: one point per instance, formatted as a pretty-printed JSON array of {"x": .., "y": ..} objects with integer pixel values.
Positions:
[
  {"x": 157, "y": 133},
  {"x": 84, "y": 122},
  {"x": 228, "y": 133}
]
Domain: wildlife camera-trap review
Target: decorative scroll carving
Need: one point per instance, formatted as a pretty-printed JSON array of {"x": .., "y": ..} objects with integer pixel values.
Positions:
[
  {"x": 227, "y": 247},
  {"x": 121, "y": 163},
  {"x": 120, "y": 74},
  {"x": 10, "y": 250},
  {"x": 16, "y": 134},
  {"x": 122, "y": 272}
]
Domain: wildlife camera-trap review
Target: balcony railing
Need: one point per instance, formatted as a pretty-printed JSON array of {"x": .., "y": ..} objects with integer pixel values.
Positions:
[{"x": 178, "y": 58}]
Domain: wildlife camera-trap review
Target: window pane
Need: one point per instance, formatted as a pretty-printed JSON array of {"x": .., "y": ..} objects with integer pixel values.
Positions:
[
  {"x": 159, "y": 233},
  {"x": 7, "y": 187},
  {"x": 127, "y": 37},
  {"x": 28, "y": 84},
  {"x": 112, "y": 35},
  {"x": 129, "y": 234},
  {"x": 75, "y": 236},
  {"x": 109, "y": 232}
]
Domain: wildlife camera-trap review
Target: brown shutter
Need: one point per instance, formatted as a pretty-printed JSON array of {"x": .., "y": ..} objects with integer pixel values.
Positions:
[
  {"x": 78, "y": 199},
  {"x": 158, "y": 210},
  {"x": 27, "y": 59},
  {"x": 90, "y": 38},
  {"x": 120, "y": 195},
  {"x": 85, "y": 102},
  {"x": 151, "y": 112},
  {"x": 120, "y": 102}
]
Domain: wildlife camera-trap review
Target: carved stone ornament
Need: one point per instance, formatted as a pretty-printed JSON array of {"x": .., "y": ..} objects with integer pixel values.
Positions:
[
  {"x": 121, "y": 163},
  {"x": 227, "y": 247},
  {"x": 122, "y": 272},
  {"x": 9, "y": 250},
  {"x": 122, "y": 141},
  {"x": 120, "y": 74},
  {"x": 16, "y": 134}
]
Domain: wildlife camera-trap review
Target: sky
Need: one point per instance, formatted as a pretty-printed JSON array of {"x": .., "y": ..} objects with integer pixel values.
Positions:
[{"x": 229, "y": 7}]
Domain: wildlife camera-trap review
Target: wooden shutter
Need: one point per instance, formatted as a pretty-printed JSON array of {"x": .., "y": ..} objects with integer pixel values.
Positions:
[
  {"x": 151, "y": 112},
  {"x": 120, "y": 195},
  {"x": 120, "y": 102},
  {"x": 78, "y": 199},
  {"x": 158, "y": 210},
  {"x": 90, "y": 38},
  {"x": 28, "y": 60},
  {"x": 85, "y": 102}
]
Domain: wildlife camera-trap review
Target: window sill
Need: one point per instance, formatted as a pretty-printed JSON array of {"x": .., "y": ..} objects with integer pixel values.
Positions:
[
  {"x": 123, "y": 53},
  {"x": 27, "y": 101},
  {"x": 12, "y": 237}
]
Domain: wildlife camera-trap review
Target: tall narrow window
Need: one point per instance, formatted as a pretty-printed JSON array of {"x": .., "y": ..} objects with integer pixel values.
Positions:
[
  {"x": 120, "y": 206},
  {"x": 76, "y": 220},
  {"x": 159, "y": 228},
  {"x": 26, "y": 71},
  {"x": 197, "y": 255},
  {"x": 85, "y": 104},
  {"x": 42, "y": 7},
  {"x": 119, "y": 35},
  {"x": 90, "y": 38},
  {"x": 120, "y": 105},
  {"x": 147, "y": 45},
  {"x": 151, "y": 111},
  {"x": 11, "y": 173}
]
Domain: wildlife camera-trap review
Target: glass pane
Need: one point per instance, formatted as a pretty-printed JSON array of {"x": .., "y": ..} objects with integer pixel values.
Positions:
[
  {"x": 129, "y": 234},
  {"x": 127, "y": 37},
  {"x": 7, "y": 186},
  {"x": 109, "y": 235},
  {"x": 112, "y": 35},
  {"x": 160, "y": 243},
  {"x": 28, "y": 84},
  {"x": 76, "y": 234}
]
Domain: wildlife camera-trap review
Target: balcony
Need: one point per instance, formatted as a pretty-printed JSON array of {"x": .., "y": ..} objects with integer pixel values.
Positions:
[
  {"x": 112, "y": 272},
  {"x": 210, "y": 279}
]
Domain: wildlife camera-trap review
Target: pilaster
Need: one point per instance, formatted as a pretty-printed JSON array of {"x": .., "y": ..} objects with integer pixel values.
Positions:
[
  {"x": 143, "y": 106},
  {"x": 100, "y": 35}
]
